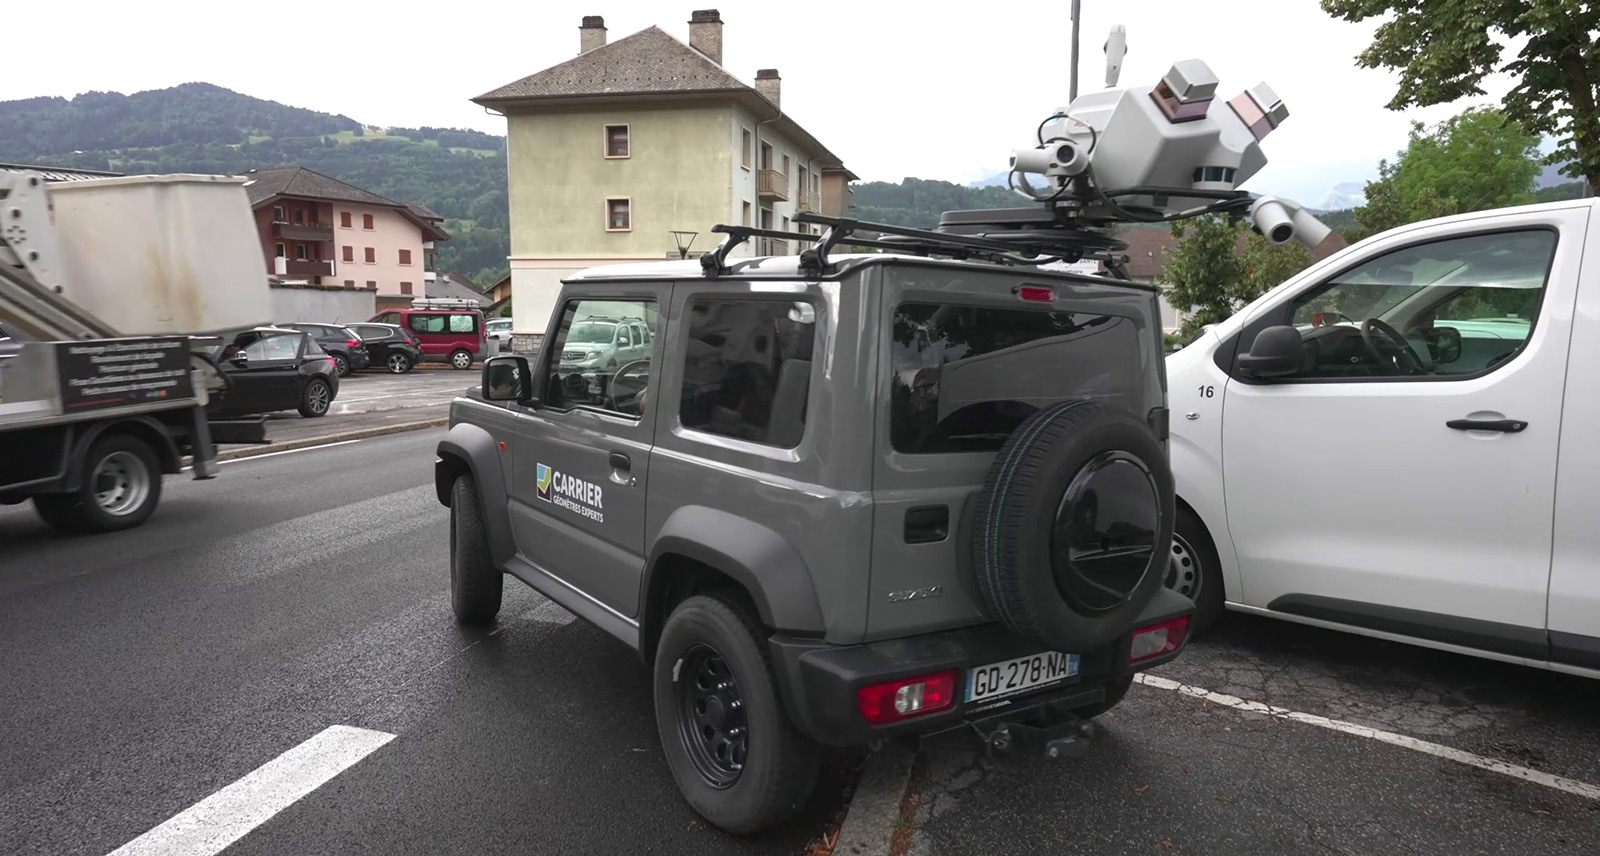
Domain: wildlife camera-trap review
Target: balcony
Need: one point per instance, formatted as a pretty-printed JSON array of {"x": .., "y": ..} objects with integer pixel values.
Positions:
[
  {"x": 772, "y": 247},
  {"x": 294, "y": 267},
  {"x": 773, "y": 185},
  {"x": 808, "y": 202},
  {"x": 306, "y": 231}
]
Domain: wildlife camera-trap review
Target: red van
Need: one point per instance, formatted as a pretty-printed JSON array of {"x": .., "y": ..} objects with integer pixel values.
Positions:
[{"x": 449, "y": 331}]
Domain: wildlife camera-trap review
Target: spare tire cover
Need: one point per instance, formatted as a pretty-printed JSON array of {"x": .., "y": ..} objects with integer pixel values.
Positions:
[{"x": 1072, "y": 530}]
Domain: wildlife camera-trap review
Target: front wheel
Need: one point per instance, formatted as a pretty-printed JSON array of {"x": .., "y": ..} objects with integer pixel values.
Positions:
[
  {"x": 476, "y": 586},
  {"x": 461, "y": 359},
  {"x": 317, "y": 398},
  {"x": 736, "y": 757},
  {"x": 398, "y": 364},
  {"x": 1194, "y": 572}
]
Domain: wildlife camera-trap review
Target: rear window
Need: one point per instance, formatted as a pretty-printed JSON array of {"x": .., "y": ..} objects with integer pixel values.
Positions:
[{"x": 963, "y": 377}]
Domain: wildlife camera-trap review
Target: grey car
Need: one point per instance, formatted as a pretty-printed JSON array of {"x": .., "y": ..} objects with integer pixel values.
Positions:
[{"x": 833, "y": 502}]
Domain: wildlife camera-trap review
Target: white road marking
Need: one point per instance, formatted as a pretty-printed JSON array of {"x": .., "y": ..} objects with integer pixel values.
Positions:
[
  {"x": 284, "y": 452},
  {"x": 1560, "y": 783},
  {"x": 226, "y": 816}
]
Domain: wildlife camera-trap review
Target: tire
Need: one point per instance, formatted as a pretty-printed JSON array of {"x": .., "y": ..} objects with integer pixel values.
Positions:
[
  {"x": 61, "y": 512},
  {"x": 1046, "y": 565},
  {"x": 461, "y": 359},
  {"x": 475, "y": 584},
  {"x": 779, "y": 766},
  {"x": 1116, "y": 689},
  {"x": 341, "y": 364},
  {"x": 121, "y": 489},
  {"x": 398, "y": 363},
  {"x": 316, "y": 399},
  {"x": 1195, "y": 572}
]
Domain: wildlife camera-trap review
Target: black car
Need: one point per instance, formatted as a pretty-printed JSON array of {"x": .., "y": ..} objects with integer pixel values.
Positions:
[
  {"x": 348, "y": 351},
  {"x": 391, "y": 346},
  {"x": 270, "y": 369}
]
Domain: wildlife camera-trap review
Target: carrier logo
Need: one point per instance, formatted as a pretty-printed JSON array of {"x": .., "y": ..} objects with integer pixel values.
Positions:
[{"x": 583, "y": 498}]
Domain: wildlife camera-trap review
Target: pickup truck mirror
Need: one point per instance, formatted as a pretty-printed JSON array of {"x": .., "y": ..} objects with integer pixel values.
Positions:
[
  {"x": 1276, "y": 352},
  {"x": 507, "y": 378}
]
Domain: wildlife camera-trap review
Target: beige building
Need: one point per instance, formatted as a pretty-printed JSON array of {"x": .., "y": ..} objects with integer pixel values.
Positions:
[{"x": 611, "y": 152}]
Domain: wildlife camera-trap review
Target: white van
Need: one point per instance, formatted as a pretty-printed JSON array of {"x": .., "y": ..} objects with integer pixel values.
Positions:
[{"x": 1404, "y": 441}]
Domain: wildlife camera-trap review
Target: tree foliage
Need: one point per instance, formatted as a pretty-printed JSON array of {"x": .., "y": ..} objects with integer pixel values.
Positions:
[
  {"x": 1443, "y": 50},
  {"x": 1475, "y": 160},
  {"x": 918, "y": 202},
  {"x": 1219, "y": 266}
]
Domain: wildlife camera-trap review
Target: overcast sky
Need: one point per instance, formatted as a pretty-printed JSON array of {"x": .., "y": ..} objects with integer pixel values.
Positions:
[{"x": 895, "y": 88}]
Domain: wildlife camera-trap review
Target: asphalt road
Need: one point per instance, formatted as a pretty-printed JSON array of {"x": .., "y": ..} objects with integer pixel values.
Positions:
[
  {"x": 1174, "y": 773},
  {"x": 144, "y": 671}
]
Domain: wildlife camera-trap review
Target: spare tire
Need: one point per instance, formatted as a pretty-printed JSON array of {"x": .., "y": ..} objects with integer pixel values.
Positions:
[{"x": 1072, "y": 530}]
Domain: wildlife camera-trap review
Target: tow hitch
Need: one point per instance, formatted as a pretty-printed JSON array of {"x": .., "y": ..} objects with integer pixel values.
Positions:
[{"x": 1066, "y": 739}]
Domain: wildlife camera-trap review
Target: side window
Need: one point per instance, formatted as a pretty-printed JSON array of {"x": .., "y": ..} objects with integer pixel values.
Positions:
[
  {"x": 586, "y": 369},
  {"x": 280, "y": 346},
  {"x": 388, "y": 318},
  {"x": 747, "y": 370},
  {"x": 421, "y": 323},
  {"x": 1455, "y": 307},
  {"x": 463, "y": 323}
]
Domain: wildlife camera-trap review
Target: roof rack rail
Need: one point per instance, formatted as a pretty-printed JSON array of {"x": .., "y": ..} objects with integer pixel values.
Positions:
[{"x": 1023, "y": 237}]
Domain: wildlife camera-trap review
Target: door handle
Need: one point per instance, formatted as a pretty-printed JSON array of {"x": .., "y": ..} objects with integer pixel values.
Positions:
[
  {"x": 620, "y": 462},
  {"x": 1508, "y": 426},
  {"x": 927, "y": 524}
]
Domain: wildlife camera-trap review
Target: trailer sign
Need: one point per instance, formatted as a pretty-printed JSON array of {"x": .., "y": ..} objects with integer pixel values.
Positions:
[{"x": 119, "y": 372}]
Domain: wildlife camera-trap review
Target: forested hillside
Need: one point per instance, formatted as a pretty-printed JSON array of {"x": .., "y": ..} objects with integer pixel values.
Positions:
[{"x": 202, "y": 128}]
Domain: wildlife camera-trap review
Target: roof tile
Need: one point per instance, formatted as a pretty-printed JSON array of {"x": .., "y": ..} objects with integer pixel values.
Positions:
[{"x": 649, "y": 61}]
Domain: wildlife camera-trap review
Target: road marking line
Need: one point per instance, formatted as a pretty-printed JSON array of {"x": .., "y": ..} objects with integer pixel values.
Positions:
[
  {"x": 288, "y": 452},
  {"x": 209, "y": 826},
  {"x": 1560, "y": 783}
]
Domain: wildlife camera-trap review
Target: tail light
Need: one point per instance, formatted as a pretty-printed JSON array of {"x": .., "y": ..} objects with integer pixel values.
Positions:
[
  {"x": 355, "y": 343},
  {"x": 1158, "y": 639},
  {"x": 1036, "y": 293},
  {"x": 894, "y": 701}
]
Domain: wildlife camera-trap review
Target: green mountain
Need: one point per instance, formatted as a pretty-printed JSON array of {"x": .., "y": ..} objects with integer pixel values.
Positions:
[{"x": 198, "y": 127}]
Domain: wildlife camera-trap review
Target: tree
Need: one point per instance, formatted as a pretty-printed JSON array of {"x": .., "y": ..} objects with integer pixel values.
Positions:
[
  {"x": 1475, "y": 160},
  {"x": 1266, "y": 265},
  {"x": 1205, "y": 273},
  {"x": 1444, "y": 50}
]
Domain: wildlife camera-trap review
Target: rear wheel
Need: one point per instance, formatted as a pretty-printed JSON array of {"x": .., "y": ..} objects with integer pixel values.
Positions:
[
  {"x": 398, "y": 364},
  {"x": 461, "y": 359},
  {"x": 121, "y": 488},
  {"x": 316, "y": 399},
  {"x": 342, "y": 364},
  {"x": 736, "y": 757}
]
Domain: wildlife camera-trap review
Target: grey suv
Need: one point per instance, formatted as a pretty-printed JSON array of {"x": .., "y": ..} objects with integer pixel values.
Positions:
[{"x": 834, "y": 501}]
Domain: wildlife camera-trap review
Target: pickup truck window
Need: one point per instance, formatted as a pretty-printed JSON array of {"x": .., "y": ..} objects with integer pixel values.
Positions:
[
  {"x": 747, "y": 370},
  {"x": 1456, "y": 307}
]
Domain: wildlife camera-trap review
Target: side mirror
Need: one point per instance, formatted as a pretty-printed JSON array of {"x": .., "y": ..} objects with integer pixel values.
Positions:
[
  {"x": 240, "y": 360},
  {"x": 507, "y": 378},
  {"x": 1276, "y": 352}
]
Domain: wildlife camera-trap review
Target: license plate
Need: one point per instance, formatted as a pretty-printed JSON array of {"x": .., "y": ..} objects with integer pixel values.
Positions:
[{"x": 1010, "y": 677}]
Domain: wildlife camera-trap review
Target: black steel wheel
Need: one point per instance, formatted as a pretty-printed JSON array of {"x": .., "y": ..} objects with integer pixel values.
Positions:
[
  {"x": 711, "y": 718},
  {"x": 735, "y": 755}
]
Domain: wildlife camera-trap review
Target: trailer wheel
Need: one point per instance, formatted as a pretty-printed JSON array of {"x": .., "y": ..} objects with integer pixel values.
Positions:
[{"x": 121, "y": 484}]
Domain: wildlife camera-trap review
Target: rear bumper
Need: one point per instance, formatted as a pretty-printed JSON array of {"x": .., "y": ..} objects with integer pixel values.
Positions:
[
  {"x": 820, "y": 682},
  {"x": 360, "y": 359}
]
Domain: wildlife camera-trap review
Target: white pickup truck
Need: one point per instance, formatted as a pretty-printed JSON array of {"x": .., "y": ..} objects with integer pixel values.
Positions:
[{"x": 1404, "y": 441}]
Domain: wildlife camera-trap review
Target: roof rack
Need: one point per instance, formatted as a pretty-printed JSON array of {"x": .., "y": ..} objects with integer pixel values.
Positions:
[{"x": 1022, "y": 237}]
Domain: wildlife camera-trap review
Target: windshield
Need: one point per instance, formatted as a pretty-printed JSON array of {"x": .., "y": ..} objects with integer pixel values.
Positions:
[{"x": 592, "y": 333}]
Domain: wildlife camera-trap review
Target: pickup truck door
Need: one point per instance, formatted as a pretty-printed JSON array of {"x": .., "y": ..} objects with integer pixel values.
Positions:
[
  {"x": 1575, "y": 570},
  {"x": 1409, "y": 487},
  {"x": 583, "y": 457}
]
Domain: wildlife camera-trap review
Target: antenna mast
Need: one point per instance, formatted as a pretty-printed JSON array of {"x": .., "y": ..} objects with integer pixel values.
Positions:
[{"x": 1072, "y": 93}]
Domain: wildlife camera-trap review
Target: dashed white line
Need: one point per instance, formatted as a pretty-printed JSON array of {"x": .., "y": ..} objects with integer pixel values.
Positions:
[
  {"x": 1537, "y": 777},
  {"x": 226, "y": 816}
]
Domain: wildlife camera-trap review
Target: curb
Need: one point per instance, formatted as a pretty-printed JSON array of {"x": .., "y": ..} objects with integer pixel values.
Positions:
[
  {"x": 324, "y": 439},
  {"x": 873, "y": 817}
]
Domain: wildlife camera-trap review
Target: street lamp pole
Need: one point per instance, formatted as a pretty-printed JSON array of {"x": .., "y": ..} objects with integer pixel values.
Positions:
[{"x": 1072, "y": 93}]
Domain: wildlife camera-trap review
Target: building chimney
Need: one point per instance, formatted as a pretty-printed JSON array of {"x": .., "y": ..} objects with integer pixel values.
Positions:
[
  {"x": 591, "y": 33},
  {"x": 768, "y": 83},
  {"x": 705, "y": 33}
]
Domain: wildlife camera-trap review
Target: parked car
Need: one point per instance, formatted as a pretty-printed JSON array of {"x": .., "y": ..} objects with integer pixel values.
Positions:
[
  {"x": 269, "y": 369},
  {"x": 348, "y": 350},
  {"x": 392, "y": 347},
  {"x": 1400, "y": 442},
  {"x": 601, "y": 342},
  {"x": 498, "y": 329},
  {"x": 447, "y": 335}
]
